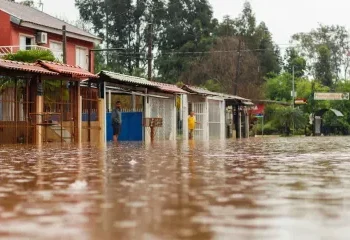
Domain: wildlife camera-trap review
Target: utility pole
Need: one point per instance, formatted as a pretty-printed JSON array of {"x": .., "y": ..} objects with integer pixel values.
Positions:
[
  {"x": 293, "y": 92},
  {"x": 235, "y": 85},
  {"x": 150, "y": 58},
  {"x": 64, "y": 43},
  {"x": 107, "y": 36}
]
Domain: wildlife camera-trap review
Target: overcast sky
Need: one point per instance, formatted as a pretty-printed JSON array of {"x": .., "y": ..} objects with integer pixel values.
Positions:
[{"x": 283, "y": 17}]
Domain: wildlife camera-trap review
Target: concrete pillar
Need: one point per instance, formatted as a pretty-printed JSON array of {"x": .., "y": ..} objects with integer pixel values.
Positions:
[
  {"x": 102, "y": 120},
  {"x": 80, "y": 119},
  {"x": 146, "y": 114},
  {"x": 222, "y": 120},
  {"x": 240, "y": 124},
  {"x": 39, "y": 105},
  {"x": 184, "y": 103},
  {"x": 39, "y": 109},
  {"x": 109, "y": 101},
  {"x": 246, "y": 125},
  {"x": 78, "y": 101},
  {"x": 133, "y": 99},
  {"x": 206, "y": 120},
  {"x": 173, "y": 135}
]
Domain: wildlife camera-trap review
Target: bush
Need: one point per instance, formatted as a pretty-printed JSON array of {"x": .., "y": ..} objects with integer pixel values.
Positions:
[{"x": 269, "y": 129}]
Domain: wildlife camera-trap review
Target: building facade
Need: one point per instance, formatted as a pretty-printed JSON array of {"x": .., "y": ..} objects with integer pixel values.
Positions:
[{"x": 24, "y": 28}]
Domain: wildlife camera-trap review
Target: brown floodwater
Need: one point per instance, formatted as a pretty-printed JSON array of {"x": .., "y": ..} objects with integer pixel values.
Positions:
[{"x": 277, "y": 188}]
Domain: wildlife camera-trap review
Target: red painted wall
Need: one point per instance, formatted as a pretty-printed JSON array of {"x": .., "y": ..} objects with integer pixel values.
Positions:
[
  {"x": 5, "y": 29},
  {"x": 9, "y": 36}
]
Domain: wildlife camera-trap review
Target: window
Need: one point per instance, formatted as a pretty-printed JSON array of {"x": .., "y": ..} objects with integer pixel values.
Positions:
[
  {"x": 26, "y": 42},
  {"x": 81, "y": 58},
  {"x": 57, "y": 50}
]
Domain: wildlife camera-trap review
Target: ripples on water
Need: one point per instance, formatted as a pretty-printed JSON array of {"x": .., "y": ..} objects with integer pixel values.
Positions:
[{"x": 282, "y": 188}]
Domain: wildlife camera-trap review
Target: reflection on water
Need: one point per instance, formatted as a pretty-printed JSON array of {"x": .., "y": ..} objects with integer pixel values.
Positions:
[{"x": 282, "y": 188}]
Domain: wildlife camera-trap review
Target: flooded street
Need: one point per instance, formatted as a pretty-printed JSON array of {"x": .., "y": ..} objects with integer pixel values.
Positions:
[{"x": 280, "y": 188}]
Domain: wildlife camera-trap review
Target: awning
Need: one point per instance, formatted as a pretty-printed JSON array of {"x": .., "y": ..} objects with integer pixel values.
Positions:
[{"x": 336, "y": 112}]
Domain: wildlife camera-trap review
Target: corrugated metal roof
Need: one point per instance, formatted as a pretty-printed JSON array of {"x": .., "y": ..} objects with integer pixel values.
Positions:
[
  {"x": 32, "y": 15},
  {"x": 74, "y": 71},
  {"x": 128, "y": 79},
  {"x": 137, "y": 81},
  {"x": 26, "y": 67},
  {"x": 198, "y": 90}
]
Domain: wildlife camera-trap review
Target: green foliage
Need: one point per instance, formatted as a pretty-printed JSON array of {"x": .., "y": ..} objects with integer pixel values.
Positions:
[
  {"x": 279, "y": 88},
  {"x": 335, "y": 38},
  {"x": 286, "y": 118},
  {"x": 213, "y": 86},
  {"x": 31, "y": 56},
  {"x": 323, "y": 70},
  {"x": 293, "y": 59}
]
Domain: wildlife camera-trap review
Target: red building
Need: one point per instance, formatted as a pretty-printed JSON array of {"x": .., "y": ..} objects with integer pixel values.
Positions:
[{"x": 23, "y": 28}]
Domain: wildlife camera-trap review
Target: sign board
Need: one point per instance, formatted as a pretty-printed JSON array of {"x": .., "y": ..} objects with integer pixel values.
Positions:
[
  {"x": 300, "y": 101},
  {"x": 259, "y": 115},
  {"x": 295, "y": 94},
  {"x": 331, "y": 96}
]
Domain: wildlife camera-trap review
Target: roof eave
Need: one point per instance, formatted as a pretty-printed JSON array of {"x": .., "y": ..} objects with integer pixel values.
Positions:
[{"x": 91, "y": 38}]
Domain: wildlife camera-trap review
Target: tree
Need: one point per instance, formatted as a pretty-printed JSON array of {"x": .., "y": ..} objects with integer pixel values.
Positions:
[
  {"x": 187, "y": 29},
  {"x": 294, "y": 59},
  {"x": 335, "y": 38},
  {"x": 286, "y": 118},
  {"x": 123, "y": 24},
  {"x": 323, "y": 66}
]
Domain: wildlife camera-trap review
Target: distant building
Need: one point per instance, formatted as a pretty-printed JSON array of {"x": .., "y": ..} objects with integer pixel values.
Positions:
[{"x": 24, "y": 28}]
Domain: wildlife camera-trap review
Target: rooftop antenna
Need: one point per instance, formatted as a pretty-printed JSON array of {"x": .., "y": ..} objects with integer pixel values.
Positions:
[{"x": 41, "y": 4}]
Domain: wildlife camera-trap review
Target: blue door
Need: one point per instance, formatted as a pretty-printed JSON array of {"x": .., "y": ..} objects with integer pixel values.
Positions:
[{"x": 131, "y": 127}]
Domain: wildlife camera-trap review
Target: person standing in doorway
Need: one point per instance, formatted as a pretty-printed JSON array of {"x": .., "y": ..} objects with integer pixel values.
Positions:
[
  {"x": 116, "y": 121},
  {"x": 191, "y": 124}
]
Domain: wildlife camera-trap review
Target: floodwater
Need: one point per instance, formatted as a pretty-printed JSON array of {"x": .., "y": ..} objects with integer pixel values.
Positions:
[{"x": 278, "y": 188}]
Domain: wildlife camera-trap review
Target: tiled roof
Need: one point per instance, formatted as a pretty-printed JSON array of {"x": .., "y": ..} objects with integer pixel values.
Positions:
[
  {"x": 137, "y": 81},
  {"x": 25, "y": 67},
  {"x": 47, "y": 68},
  {"x": 31, "y": 15},
  {"x": 74, "y": 71}
]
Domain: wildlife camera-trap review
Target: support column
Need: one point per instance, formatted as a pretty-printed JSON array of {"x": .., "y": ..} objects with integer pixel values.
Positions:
[
  {"x": 206, "y": 120},
  {"x": 247, "y": 125},
  {"x": 78, "y": 101},
  {"x": 239, "y": 124},
  {"x": 174, "y": 122},
  {"x": 39, "y": 109},
  {"x": 133, "y": 100},
  {"x": 102, "y": 120},
  {"x": 222, "y": 119},
  {"x": 102, "y": 113},
  {"x": 146, "y": 114},
  {"x": 109, "y": 101},
  {"x": 184, "y": 103}
]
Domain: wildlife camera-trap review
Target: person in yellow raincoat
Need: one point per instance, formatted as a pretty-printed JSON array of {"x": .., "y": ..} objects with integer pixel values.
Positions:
[{"x": 191, "y": 124}]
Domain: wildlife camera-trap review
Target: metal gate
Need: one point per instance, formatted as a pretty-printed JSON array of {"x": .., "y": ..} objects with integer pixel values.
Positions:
[
  {"x": 199, "y": 110},
  {"x": 90, "y": 122},
  {"x": 164, "y": 108},
  {"x": 214, "y": 119},
  {"x": 15, "y": 106}
]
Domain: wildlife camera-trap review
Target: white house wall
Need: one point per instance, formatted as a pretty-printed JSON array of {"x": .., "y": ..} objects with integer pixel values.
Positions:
[{"x": 164, "y": 108}]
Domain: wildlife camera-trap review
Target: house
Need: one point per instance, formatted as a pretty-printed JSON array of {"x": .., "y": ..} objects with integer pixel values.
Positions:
[
  {"x": 210, "y": 108},
  {"x": 29, "y": 114},
  {"x": 158, "y": 101},
  {"x": 24, "y": 28}
]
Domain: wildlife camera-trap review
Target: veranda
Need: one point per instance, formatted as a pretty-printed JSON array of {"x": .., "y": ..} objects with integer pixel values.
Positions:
[{"x": 40, "y": 102}]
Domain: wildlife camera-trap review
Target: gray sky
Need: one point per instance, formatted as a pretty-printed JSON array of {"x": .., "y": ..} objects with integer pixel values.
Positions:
[{"x": 283, "y": 17}]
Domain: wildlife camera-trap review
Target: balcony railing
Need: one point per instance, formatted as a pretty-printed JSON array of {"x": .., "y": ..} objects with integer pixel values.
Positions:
[{"x": 4, "y": 50}]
